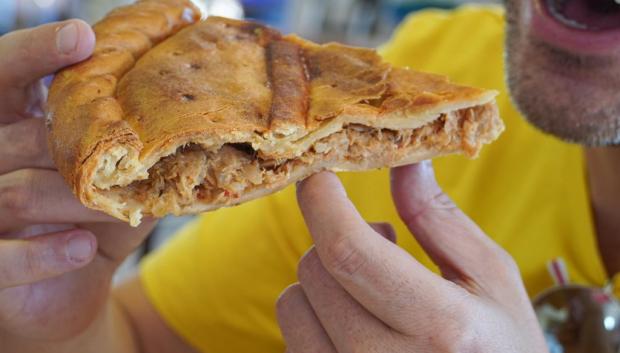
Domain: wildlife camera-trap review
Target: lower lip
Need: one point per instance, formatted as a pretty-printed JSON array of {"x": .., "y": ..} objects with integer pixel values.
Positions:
[{"x": 548, "y": 29}]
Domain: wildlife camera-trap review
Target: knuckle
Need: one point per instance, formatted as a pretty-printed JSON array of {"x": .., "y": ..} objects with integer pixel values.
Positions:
[
  {"x": 449, "y": 329},
  {"x": 440, "y": 201},
  {"x": 12, "y": 37},
  {"x": 464, "y": 340},
  {"x": 17, "y": 196},
  {"x": 505, "y": 263},
  {"x": 25, "y": 265},
  {"x": 457, "y": 338},
  {"x": 31, "y": 44},
  {"x": 20, "y": 44},
  {"x": 345, "y": 258},
  {"x": 427, "y": 206},
  {"x": 7, "y": 276},
  {"x": 25, "y": 141},
  {"x": 33, "y": 143},
  {"x": 468, "y": 341},
  {"x": 31, "y": 264}
]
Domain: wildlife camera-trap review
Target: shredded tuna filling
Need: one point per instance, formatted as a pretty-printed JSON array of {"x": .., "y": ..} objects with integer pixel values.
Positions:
[{"x": 222, "y": 176}]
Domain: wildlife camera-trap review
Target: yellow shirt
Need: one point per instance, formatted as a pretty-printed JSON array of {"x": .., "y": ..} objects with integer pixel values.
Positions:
[{"x": 216, "y": 283}]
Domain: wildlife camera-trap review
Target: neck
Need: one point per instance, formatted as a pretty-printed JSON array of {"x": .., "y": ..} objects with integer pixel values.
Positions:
[{"x": 604, "y": 181}]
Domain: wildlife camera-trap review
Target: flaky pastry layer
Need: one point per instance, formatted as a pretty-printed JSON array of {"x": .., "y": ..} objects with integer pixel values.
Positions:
[
  {"x": 194, "y": 179},
  {"x": 175, "y": 115}
]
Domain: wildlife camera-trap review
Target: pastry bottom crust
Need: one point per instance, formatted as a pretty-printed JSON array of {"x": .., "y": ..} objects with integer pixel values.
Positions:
[{"x": 194, "y": 180}]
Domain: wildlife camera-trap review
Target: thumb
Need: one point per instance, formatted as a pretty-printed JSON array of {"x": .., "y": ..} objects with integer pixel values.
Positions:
[
  {"x": 453, "y": 241},
  {"x": 29, "y": 54},
  {"x": 25, "y": 261}
]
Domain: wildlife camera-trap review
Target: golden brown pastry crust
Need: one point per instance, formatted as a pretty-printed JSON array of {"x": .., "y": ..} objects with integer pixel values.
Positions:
[
  {"x": 154, "y": 87},
  {"x": 84, "y": 118}
]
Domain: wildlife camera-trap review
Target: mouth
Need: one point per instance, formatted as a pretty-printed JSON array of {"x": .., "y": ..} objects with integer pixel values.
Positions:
[
  {"x": 581, "y": 26},
  {"x": 586, "y": 15}
]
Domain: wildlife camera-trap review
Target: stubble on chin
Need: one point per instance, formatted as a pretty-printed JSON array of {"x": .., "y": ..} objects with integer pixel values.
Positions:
[{"x": 573, "y": 97}]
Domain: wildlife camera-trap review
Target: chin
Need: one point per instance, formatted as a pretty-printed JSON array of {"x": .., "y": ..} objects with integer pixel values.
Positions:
[{"x": 563, "y": 62}]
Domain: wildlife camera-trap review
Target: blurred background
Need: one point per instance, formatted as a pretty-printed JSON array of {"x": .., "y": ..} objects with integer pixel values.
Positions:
[{"x": 358, "y": 22}]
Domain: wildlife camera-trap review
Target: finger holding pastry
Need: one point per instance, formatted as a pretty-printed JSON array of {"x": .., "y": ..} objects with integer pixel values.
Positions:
[
  {"x": 369, "y": 295},
  {"x": 57, "y": 257}
]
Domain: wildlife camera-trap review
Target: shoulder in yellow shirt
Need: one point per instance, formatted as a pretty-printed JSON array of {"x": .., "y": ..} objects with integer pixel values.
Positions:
[{"x": 217, "y": 282}]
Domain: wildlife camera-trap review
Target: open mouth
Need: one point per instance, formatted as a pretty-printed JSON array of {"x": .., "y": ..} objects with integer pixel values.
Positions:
[
  {"x": 582, "y": 27},
  {"x": 587, "y": 15}
]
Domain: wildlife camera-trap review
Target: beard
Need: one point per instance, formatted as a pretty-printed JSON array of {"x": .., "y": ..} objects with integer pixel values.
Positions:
[{"x": 572, "y": 96}]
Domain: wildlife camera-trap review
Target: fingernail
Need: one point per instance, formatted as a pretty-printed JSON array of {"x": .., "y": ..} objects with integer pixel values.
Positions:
[
  {"x": 67, "y": 39},
  {"x": 427, "y": 163},
  {"x": 426, "y": 168},
  {"x": 79, "y": 248}
]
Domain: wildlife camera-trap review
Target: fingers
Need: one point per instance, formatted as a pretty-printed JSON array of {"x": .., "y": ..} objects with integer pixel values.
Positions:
[
  {"x": 24, "y": 261},
  {"x": 24, "y": 146},
  {"x": 33, "y": 196},
  {"x": 29, "y": 54},
  {"x": 300, "y": 327},
  {"x": 351, "y": 327},
  {"x": 453, "y": 241},
  {"x": 120, "y": 239},
  {"x": 378, "y": 274}
]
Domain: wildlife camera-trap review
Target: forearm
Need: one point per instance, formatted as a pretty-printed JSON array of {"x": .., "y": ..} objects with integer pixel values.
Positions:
[
  {"x": 151, "y": 331},
  {"x": 127, "y": 324},
  {"x": 111, "y": 331}
]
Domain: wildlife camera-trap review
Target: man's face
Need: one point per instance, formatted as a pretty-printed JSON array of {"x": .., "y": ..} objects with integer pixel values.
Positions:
[{"x": 564, "y": 67}]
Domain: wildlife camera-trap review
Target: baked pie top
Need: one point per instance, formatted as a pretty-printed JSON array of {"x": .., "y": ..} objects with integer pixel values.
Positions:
[{"x": 177, "y": 115}]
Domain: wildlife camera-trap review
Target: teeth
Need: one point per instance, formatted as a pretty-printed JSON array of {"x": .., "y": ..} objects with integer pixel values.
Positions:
[
  {"x": 572, "y": 23},
  {"x": 555, "y": 9}
]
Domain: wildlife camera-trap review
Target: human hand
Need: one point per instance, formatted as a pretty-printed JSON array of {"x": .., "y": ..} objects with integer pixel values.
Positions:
[
  {"x": 359, "y": 292},
  {"x": 56, "y": 257}
]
